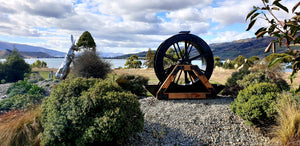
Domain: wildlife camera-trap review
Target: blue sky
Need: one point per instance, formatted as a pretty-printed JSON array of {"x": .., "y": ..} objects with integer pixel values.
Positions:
[{"x": 123, "y": 26}]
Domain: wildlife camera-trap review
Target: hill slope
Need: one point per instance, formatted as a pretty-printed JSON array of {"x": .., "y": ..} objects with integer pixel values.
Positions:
[
  {"x": 27, "y": 48},
  {"x": 246, "y": 47}
]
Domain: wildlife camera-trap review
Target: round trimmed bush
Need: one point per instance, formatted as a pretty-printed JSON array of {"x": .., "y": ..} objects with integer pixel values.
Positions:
[
  {"x": 259, "y": 77},
  {"x": 133, "y": 83},
  {"x": 89, "y": 112},
  {"x": 256, "y": 103}
]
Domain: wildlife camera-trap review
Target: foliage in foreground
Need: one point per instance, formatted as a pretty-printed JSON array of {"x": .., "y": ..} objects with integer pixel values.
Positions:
[
  {"x": 286, "y": 31},
  {"x": 89, "y": 112},
  {"x": 20, "y": 128},
  {"x": 288, "y": 130},
  {"x": 256, "y": 103},
  {"x": 22, "y": 95},
  {"x": 133, "y": 83}
]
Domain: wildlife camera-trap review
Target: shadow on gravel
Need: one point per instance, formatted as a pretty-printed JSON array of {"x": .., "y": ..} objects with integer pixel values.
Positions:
[
  {"x": 208, "y": 101},
  {"x": 158, "y": 134}
]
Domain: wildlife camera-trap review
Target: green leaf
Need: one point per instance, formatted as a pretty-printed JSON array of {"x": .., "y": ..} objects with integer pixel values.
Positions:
[
  {"x": 274, "y": 61},
  {"x": 297, "y": 40},
  {"x": 254, "y": 16},
  {"x": 261, "y": 34},
  {"x": 281, "y": 6},
  {"x": 271, "y": 28},
  {"x": 276, "y": 35},
  {"x": 293, "y": 76},
  {"x": 250, "y": 13},
  {"x": 250, "y": 25},
  {"x": 260, "y": 30},
  {"x": 267, "y": 1},
  {"x": 295, "y": 7}
]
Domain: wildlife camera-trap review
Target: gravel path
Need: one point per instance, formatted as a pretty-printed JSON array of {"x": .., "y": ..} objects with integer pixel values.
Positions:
[{"x": 193, "y": 122}]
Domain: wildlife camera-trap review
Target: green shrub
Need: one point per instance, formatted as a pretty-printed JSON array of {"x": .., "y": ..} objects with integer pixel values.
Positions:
[
  {"x": 239, "y": 60},
  {"x": 3, "y": 81},
  {"x": 39, "y": 64},
  {"x": 252, "y": 78},
  {"x": 22, "y": 95},
  {"x": 24, "y": 87},
  {"x": 217, "y": 62},
  {"x": 89, "y": 112},
  {"x": 231, "y": 86},
  {"x": 133, "y": 83},
  {"x": 14, "y": 68},
  {"x": 259, "y": 77},
  {"x": 228, "y": 64},
  {"x": 256, "y": 103},
  {"x": 20, "y": 101}
]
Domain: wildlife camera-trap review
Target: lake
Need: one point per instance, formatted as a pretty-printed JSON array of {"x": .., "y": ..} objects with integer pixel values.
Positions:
[
  {"x": 56, "y": 62},
  {"x": 116, "y": 63}
]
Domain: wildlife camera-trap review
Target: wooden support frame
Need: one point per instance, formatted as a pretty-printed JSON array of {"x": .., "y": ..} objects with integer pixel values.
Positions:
[{"x": 163, "y": 92}]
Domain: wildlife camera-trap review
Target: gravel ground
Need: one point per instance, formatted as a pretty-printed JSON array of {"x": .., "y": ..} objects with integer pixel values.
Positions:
[{"x": 194, "y": 122}]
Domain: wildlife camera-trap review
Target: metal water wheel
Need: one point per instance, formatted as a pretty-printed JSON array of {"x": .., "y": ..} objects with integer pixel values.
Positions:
[{"x": 183, "y": 64}]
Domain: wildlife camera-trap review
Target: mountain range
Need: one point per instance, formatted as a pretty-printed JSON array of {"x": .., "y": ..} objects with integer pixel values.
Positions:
[
  {"x": 228, "y": 50},
  {"x": 28, "y": 51}
]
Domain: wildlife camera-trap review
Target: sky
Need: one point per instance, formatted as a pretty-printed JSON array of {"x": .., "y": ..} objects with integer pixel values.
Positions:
[{"x": 124, "y": 26}]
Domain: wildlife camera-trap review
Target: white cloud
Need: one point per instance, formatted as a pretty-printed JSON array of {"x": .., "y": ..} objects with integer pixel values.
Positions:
[
  {"x": 229, "y": 36},
  {"x": 121, "y": 25},
  {"x": 189, "y": 14},
  {"x": 229, "y": 12}
]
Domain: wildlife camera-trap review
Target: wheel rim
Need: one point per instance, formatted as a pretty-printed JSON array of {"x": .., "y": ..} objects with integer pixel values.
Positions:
[{"x": 183, "y": 49}]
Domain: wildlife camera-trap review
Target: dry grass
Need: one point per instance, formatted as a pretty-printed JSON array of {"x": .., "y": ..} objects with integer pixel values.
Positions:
[
  {"x": 44, "y": 69},
  {"x": 219, "y": 75},
  {"x": 20, "y": 128},
  {"x": 142, "y": 72},
  {"x": 288, "y": 130}
]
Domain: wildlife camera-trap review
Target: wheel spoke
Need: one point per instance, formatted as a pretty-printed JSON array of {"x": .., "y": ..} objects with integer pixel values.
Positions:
[
  {"x": 190, "y": 50},
  {"x": 186, "y": 47},
  {"x": 191, "y": 74},
  {"x": 176, "y": 51},
  {"x": 179, "y": 50},
  {"x": 179, "y": 76},
  {"x": 171, "y": 58},
  {"x": 186, "y": 77}
]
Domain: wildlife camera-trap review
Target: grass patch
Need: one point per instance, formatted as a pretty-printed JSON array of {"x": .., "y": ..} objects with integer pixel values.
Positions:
[
  {"x": 44, "y": 74},
  {"x": 20, "y": 128}
]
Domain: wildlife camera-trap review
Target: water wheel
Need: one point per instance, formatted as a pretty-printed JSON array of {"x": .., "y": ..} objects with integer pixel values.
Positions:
[{"x": 183, "y": 64}]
